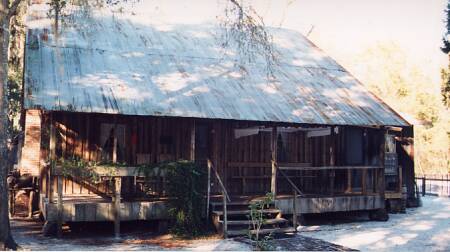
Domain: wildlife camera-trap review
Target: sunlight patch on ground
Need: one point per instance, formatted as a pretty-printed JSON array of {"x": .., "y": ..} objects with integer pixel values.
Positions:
[{"x": 420, "y": 229}]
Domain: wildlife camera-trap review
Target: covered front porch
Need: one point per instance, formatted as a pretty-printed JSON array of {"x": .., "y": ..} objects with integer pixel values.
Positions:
[{"x": 326, "y": 168}]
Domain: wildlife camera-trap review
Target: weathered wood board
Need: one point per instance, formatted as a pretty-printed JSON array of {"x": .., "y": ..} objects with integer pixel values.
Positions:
[
  {"x": 103, "y": 211},
  {"x": 330, "y": 204}
]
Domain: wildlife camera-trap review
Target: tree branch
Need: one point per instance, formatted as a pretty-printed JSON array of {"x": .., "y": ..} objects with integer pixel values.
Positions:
[
  {"x": 12, "y": 10},
  {"x": 237, "y": 5}
]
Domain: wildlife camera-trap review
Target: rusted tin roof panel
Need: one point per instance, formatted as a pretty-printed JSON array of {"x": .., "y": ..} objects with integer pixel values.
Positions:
[{"x": 124, "y": 65}]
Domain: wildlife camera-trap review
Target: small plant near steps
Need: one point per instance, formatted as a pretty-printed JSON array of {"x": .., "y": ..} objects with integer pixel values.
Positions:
[
  {"x": 258, "y": 219},
  {"x": 239, "y": 217}
]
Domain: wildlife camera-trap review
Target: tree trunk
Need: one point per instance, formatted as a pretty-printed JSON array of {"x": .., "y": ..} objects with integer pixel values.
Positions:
[{"x": 6, "y": 240}]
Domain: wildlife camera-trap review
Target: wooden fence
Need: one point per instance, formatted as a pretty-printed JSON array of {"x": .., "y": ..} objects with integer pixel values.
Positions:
[{"x": 435, "y": 185}]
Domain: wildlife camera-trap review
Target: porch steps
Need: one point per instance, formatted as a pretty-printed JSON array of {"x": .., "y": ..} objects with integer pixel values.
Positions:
[
  {"x": 262, "y": 231},
  {"x": 249, "y": 222},
  {"x": 246, "y": 212},
  {"x": 239, "y": 223}
]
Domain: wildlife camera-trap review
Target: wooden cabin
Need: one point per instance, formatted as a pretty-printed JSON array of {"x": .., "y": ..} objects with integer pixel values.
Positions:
[{"x": 114, "y": 89}]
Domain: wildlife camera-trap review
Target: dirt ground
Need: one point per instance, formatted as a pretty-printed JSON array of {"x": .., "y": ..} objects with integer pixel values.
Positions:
[
  {"x": 420, "y": 229},
  {"x": 27, "y": 233}
]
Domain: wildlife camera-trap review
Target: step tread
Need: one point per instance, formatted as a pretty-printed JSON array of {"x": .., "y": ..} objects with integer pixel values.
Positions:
[
  {"x": 232, "y": 203},
  {"x": 239, "y": 212},
  {"x": 244, "y": 222},
  {"x": 261, "y": 231},
  {"x": 238, "y": 202}
]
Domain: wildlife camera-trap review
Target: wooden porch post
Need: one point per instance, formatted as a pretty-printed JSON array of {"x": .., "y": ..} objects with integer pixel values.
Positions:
[
  {"x": 294, "y": 211},
  {"x": 208, "y": 193},
  {"x": 225, "y": 215},
  {"x": 192, "y": 145},
  {"x": 52, "y": 160},
  {"x": 366, "y": 162},
  {"x": 116, "y": 206},
  {"x": 273, "y": 145},
  {"x": 59, "y": 221},
  {"x": 114, "y": 154},
  {"x": 381, "y": 177},
  {"x": 332, "y": 160}
]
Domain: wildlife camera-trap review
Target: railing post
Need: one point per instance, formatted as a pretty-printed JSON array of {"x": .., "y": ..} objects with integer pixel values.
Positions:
[
  {"x": 294, "y": 209},
  {"x": 117, "y": 186},
  {"x": 30, "y": 202},
  {"x": 273, "y": 147},
  {"x": 225, "y": 218},
  {"x": 423, "y": 185},
  {"x": 11, "y": 201},
  {"x": 60, "y": 206},
  {"x": 448, "y": 188},
  {"x": 208, "y": 190}
]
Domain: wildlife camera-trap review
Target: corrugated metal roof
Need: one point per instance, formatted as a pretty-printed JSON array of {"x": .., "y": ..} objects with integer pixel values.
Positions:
[{"x": 122, "y": 64}]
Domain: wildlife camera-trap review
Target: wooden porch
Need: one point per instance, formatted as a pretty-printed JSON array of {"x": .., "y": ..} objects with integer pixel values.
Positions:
[{"x": 326, "y": 168}]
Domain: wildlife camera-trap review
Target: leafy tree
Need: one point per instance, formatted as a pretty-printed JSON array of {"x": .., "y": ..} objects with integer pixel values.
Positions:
[
  {"x": 7, "y": 11},
  {"x": 445, "y": 86},
  {"x": 387, "y": 71},
  {"x": 446, "y": 44}
]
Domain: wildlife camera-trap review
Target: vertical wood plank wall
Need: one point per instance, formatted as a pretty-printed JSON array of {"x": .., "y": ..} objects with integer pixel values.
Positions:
[
  {"x": 164, "y": 138},
  {"x": 78, "y": 135}
]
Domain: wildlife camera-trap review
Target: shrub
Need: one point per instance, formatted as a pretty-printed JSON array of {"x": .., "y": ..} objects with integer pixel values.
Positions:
[{"x": 186, "y": 187}]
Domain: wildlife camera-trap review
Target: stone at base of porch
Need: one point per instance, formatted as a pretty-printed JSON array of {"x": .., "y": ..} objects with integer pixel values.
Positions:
[{"x": 307, "y": 205}]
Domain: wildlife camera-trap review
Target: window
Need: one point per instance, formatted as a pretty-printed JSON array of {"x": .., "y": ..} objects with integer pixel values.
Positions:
[
  {"x": 109, "y": 132},
  {"x": 354, "y": 146}
]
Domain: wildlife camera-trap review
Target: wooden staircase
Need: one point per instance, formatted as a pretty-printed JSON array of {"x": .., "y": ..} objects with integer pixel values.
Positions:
[{"x": 239, "y": 222}]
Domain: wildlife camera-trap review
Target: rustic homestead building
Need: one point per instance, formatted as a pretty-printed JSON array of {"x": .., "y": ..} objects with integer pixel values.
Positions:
[{"x": 125, "y": 88}]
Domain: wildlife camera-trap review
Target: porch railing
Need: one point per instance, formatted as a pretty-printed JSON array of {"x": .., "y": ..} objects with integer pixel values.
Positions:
[
  {"x": 297, "y": 192},
  {"x": 225, "y": 196}
]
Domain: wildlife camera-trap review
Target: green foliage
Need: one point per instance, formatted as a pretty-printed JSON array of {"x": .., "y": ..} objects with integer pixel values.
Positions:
[
  {"x": 428, "y": 109},
  {"x": 56, "y": 11},
  {"x": 257, "y": 221},
  {"x": 186, "y": 187},
  {"x": 56, "y": 6},
  {"x": 15, "y": 62},
  {"x": 445, "y": 87},
  {"x": 14, "y": 94},
  {"x": 446, "y": 44},
  {"x": 79, "y": 168}
]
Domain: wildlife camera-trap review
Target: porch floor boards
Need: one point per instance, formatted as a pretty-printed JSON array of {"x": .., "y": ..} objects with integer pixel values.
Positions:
[
  {"x": 245, "y": 199},
  {"x": 93, "y": 198}
]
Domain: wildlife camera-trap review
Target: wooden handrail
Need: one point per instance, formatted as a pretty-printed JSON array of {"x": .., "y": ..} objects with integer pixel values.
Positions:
[
  {"x": 290, "y": 182},
  {"x": 224, "y": 190},
  {"x": 294, "y": 200},
  {"x": 225, "y": 198},
  {"x": 319, "y": 168}
]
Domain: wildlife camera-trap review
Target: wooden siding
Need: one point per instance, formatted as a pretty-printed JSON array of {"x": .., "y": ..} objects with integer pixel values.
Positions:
[
  {"x": 331, "y": 204},
  {"x": 243, "y": 163},
  {"x": 79, "y": 136}
]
